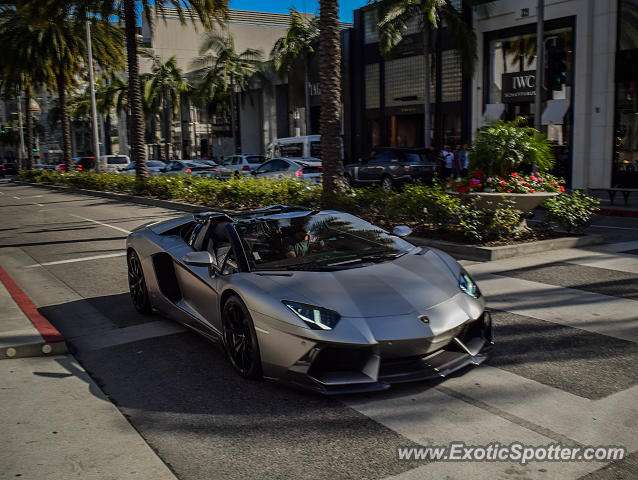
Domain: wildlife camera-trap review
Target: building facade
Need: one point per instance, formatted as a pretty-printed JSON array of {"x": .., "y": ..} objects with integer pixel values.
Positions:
[
  {"x": 274, "y": 109},
  {"x": 590, "y": 85},
  {"x": 385, "y": 101}
]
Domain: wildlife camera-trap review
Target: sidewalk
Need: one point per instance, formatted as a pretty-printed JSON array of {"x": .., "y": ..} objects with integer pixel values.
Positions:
[
  {"x": 56, "y": 422},
  {"x": 618, "y": 208}
]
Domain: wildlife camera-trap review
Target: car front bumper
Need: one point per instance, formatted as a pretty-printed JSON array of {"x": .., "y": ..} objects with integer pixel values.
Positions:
[{"x": 338, "y": 369}]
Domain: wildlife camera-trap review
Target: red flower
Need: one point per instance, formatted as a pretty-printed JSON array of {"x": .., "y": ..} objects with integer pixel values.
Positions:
[
  {"x": 508, "y": 191},
  {"x": 479, "y": 185},
  {"x": 531, "y": 191},
  {"x": 479, "y": 174},
  {"x": 562, "y": 189},
  {"x": 462, "y": 189},
  {"x": 503, "y": 182},
  {"x": 514, "y": 174},
  {"x": 526, "y": 184}
]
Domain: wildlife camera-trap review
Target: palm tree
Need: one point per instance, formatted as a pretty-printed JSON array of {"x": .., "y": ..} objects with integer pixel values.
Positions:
[
  {"x": 209, "y": 12},
  {"x": 163, "y": 88},
  {"x": 223, "y": 71},
  {"x": 49, "y": 44},
  {"x": 395, "y": 16},
  {"x": 296, "y": 47},
  {"x": 330, "y": 86}
]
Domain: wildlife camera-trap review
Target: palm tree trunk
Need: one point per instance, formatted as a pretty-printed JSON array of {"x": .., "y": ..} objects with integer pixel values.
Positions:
[
  {"x": 330, "y": 85},
  {"x": 108, "y": 146},
  {"x": 66, "y": 124},
  {"x": 427, "y": 102},
  {"x": 134, "y": 92},
  {"x": 29, "y": 122},
  {"x": 167, "y": 128},
  {"x": 307, "y": 86}
]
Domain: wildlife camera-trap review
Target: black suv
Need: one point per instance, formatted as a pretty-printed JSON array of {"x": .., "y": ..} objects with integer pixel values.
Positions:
[{"x": 392, "y": 166}]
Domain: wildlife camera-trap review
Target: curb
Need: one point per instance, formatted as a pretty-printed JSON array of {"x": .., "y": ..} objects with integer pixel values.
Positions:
[
  {"x": 53, "y": 342},
  {"x": 488, "y": 254}
]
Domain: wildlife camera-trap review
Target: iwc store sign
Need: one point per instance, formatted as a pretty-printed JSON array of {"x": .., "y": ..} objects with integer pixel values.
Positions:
[{"x": 518, "y": 87}]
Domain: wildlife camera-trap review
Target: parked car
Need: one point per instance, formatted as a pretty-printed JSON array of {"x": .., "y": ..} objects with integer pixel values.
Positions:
[
  {"x": 9, "y": 169},
  {"x": 43, "y": 166},
  {"x": 321, "y": 300},
  {"x": 153, "y": 167},
  {"x": 391, "y": 167},
  {"x": 297, "y": 147},
  {"x": 114, "y": 163},
  {"x": 308, "y": 169},
  {"x": 240, "y": 165},
  {"x": 188, "y": 167}
]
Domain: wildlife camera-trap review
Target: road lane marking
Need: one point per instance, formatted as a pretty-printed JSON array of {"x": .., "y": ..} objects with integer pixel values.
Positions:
[
  {"x": 74, "y": 260},
  {"x": 39, "y": 205},
  {"x": 102, "y": 223},
  {"x": 17, "y": 198}
]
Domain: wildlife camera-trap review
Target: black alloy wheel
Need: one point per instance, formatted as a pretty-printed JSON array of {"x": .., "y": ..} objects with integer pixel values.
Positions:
[
  {"x": 240, "y": 340},
  {"x": 137, "y": 284}
]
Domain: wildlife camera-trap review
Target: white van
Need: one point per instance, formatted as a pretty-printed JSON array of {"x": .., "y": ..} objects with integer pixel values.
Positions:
[
  {"x": 308, "y": 146},
  {"x": 114, "y": 163}
]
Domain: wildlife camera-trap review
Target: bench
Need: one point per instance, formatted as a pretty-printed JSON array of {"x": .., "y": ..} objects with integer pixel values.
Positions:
[{"x": 625, "y": 193}]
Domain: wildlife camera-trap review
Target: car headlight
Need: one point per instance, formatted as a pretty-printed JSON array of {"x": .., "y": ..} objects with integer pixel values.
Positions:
[
  {"x": 316, "y": 317},
  {"x": 467, "y": 285}
]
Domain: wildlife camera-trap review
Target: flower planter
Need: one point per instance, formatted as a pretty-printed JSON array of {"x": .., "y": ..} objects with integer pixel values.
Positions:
[{"x": 524, "y": 202}]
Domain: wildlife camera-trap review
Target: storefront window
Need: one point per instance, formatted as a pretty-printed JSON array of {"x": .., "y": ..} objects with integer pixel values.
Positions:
[
  {"x": 625, "y": 168},
  {"x": 371, "y": 76}
]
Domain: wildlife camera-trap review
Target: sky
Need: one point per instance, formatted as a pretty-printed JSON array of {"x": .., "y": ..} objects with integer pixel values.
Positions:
[{"x": 307, "y": 6}]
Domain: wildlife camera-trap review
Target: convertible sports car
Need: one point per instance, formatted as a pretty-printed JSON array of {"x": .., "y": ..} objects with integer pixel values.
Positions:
[{"x": 319, "y": 299}]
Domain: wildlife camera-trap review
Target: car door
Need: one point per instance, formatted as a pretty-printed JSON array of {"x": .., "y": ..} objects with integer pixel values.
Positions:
[
  {"x": 281, "y": 168},
  {"x": 198, "y": 285},
  {"x": 264, "y": 169},
  {"x": 373, "y": 170}
]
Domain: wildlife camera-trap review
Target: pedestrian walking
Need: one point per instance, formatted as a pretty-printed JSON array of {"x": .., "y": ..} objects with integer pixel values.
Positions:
[
  {"x": 464, "y": 155},
  {"x": 448, "y": 160}
]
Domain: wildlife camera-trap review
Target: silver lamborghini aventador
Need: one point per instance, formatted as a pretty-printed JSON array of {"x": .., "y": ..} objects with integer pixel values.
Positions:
[{"x": 319, "y": 299}]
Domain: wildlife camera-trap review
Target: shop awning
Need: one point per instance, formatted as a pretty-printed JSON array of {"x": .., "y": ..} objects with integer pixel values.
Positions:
[
  {"x": 493, "y": 111},
  {"x": 555, "y": 111}
]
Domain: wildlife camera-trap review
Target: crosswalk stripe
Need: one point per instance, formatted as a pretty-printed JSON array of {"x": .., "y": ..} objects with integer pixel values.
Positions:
[{"x": 607, "y": 315}]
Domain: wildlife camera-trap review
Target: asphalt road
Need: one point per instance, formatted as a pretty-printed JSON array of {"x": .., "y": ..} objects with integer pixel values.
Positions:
[{"x": 564, "y": 368}]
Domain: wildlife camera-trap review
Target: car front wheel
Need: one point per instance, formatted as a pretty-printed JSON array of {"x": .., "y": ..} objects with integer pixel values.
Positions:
[{"x": 240, "y": 339}]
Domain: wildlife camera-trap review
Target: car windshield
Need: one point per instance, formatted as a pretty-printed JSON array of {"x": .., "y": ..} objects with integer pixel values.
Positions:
[
  {"x": 117, "y": 161},
  {"x": 255, "y": 159},
  {"x": 154, "y": 164},
  {"x": 322, "y": 241}
]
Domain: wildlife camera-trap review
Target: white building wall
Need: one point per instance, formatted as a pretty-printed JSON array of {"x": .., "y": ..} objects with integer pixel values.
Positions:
[{"x": 594, "y": 64}]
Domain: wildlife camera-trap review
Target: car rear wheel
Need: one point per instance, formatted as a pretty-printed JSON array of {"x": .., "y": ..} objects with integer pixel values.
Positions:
[
  {"x": 137, "y": 284},
  {"x": 240, "y": 339},
  {"x": 386, "y": 183}
]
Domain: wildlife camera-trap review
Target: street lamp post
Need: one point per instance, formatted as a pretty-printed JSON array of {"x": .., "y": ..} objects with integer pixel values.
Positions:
[
  {"x": 96, "y": 138},
  {"x": 540, "y": 61},
  {"x": 22, "y": 149}
]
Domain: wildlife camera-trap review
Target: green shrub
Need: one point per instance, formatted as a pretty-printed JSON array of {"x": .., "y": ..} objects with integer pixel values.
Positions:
[
  {"x": 572, "y": 212},
  {"x": 502, "y": 147}
]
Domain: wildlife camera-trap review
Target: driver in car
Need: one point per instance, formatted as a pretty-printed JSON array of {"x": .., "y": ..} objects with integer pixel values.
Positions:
[{"x": 298, "y": 242}]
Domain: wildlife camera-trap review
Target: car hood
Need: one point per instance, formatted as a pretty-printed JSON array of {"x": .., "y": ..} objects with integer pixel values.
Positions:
[{"x": 407, "y": 284}]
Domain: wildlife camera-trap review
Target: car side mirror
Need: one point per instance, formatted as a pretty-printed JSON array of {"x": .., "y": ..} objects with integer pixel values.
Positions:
[
  {"x": 401, "y": 231},
  {"x": 198, "y": 259}
]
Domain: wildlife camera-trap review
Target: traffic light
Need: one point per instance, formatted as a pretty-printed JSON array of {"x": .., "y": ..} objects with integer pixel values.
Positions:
[{"x": 556, "y": 65}]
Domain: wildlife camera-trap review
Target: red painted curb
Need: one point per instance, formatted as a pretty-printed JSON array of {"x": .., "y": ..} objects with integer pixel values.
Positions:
[{"x": 49, "y": 332}]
